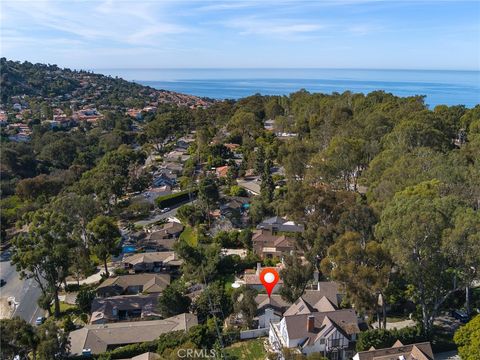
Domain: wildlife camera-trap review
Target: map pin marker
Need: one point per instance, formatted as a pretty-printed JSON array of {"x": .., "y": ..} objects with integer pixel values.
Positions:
[{"x": 269, "y": 278}]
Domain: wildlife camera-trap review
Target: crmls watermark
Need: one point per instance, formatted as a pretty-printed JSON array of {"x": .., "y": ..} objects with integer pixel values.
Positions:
[{"x": 197, "y": 353}]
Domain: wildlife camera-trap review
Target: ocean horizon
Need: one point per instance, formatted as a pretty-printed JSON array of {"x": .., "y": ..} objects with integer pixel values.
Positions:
[{"x": 448, "y": 87}]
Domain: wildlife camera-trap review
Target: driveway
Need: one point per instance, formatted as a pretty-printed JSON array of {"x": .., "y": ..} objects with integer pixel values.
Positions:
[
  {"x": 449, "y": 355},
  {"x": 397, "y": 324}
]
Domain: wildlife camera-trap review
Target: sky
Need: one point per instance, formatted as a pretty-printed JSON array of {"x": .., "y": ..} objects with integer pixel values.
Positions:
[{"x": 96, "y": 34}]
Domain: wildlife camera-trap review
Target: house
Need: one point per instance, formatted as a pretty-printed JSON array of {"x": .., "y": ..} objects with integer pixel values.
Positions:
[
  {"x": 232, "y": 206},
  {"x": 133, "y": 284},
  {"x": 151, "y": 194},
  {"x": 279, "y": 224},
  {"x": 222, "y": 171},
  {"x": 96, "y": 339},
  {"x": 269, "y": 125},
  {"x": 268, "y": 245},
  {"x": 164, "y": 178},
  {"x": 169, "y": 230},
  {"x": 232, "y": 147},
  {"x": 178, "y": 155},
  {"x": 419, "y": 351},
  {"x": 331, "y": 333},
  {"x": 124, "y": 307},
  {"x": 162, "y": 239},
  {"x": 251, "y": 185},
  {"x": 269, "y": 309},
  {"x": 184, "y": 142},
  {"x": 165, "y": 261},
  {"x": 251, "y": 279},
  {"x": 325, "y": 298}
]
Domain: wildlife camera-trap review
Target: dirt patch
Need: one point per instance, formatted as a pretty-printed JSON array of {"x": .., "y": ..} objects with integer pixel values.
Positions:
[{"x": 5, "y": 309}]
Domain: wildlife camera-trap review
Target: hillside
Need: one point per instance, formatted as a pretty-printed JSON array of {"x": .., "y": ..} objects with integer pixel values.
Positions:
[{"x": 49, "y": 82}]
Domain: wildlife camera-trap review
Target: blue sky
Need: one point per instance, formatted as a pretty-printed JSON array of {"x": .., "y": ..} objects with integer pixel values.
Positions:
[{"x": 174, "y": 34}]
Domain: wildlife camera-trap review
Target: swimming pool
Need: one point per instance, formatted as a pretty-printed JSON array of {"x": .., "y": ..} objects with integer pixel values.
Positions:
[{"x": 128, "y": 249}]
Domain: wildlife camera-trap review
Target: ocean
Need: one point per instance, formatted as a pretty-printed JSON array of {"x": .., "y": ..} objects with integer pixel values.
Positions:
[{"x": 439, "y": 86}]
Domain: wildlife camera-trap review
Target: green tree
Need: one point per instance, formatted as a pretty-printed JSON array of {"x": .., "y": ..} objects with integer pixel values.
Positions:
[
  {"x": 411, "y": 227},
  {"x": 244, "y": 303},
  {"x": 267, "y": 186},
  {"x": 208, "y": 194},
  {"x": 213, "y": 301},
  {"x": 341, "y": 163},
  {"x": 84, "y": 299},
  {"x": 104, "y": 238},
  {"x": 259, "y": 161},
  {"x": 173, "y": 300},
  {"x": 467, "y": 338},
  {"x": 53, "y": 342},
  {"x": 43, "y": 252},
  {"x": 157, "y": 131},
  {"x": 18, "y": 339},
  {"x": 462, "y": 243},
  {"x": 363, "y": 269},
  {"x": 295, "y": 276}
]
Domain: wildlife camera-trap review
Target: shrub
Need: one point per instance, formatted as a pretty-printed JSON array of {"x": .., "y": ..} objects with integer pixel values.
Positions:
[
  {"x": 380, "y": 338},
  {"x": 467, "y": 338},
  {"x": 72, "y": 287},
  {"x": 84, "y": 299},
  {"x": 236, "y": 190}
]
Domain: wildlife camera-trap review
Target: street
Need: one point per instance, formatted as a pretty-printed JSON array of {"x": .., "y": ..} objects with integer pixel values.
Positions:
[
  {"x": 158, "y": 217},
  {"x": 26, "y": 292}
]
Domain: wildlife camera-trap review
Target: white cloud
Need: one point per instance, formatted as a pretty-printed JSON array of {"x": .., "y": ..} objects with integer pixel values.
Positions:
[
  {"x": 275, "y": 27},
  {"x": 127, "y": 22}
]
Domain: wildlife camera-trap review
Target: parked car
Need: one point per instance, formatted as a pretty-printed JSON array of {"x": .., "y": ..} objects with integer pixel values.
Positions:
[
  {"x": 164, "y": 210},
  {"x": 460, "y": 315},
  {"x": 2, "y": 282},
  {"x": 40, "y": 320}
]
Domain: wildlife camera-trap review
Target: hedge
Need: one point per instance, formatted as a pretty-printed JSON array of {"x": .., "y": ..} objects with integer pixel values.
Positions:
[
  {"x": 175, "y": 198},
  {"x": 380, "y": 338}
]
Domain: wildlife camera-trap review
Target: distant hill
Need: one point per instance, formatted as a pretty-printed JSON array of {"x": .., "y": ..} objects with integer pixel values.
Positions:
[{"x": 48, "y": 82}]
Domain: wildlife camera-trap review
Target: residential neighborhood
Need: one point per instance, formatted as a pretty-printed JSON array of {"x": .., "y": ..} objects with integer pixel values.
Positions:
[{"x": 140, "y": 225}]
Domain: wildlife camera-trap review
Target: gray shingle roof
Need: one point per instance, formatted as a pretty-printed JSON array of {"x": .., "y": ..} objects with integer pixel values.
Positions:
[{"x": 99, "y": 337}]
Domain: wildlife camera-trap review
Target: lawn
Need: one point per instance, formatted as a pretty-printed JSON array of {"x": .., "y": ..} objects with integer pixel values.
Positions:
[
  {"x": 189, "y": 235},
  {"x": 65, "y": 309},
  {"x": 248, "y": 350}
]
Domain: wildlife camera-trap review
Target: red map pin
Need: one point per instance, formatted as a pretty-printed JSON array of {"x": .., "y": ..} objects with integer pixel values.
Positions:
[{"x": 269, "y": 278}]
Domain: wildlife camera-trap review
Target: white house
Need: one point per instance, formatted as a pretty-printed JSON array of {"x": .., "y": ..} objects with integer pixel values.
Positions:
[{"x": 331, "y": 333}]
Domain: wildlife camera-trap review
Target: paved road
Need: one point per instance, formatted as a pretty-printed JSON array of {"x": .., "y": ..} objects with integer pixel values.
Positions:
[
  {"x": 166, "y": 215},
  {"x": 451, "y": 355},
  {"x": 26, "y": 292}
]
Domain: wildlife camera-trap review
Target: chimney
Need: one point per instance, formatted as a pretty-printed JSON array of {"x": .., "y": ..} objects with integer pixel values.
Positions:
[
  {"x": 310, "y": 323},
  {"x": 259, "y": 268}
]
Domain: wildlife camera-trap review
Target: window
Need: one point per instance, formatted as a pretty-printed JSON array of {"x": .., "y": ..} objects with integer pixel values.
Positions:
[{"x": 335, "y": 342}]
